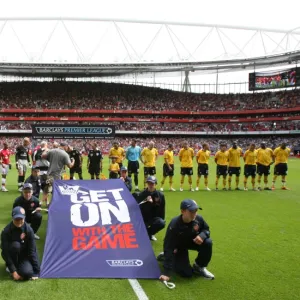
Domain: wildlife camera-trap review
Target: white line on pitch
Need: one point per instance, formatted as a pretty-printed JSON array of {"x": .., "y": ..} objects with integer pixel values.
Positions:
[{"x": 140, "y": 293}]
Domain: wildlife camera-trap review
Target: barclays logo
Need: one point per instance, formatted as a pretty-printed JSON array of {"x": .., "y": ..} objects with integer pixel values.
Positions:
[{"x": 125, "y": 263}]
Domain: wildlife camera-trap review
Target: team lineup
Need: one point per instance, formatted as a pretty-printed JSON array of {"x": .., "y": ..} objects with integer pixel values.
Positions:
[
  {"x": 257, "y": 163},
  {"x": 188, "y": 231}
]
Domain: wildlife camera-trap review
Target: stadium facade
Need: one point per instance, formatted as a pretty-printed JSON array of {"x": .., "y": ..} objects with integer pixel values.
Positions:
[{"x": 65, "y": 58}]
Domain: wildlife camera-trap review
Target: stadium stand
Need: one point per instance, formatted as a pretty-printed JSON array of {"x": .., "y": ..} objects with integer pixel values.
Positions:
[
  {"x": 138, "y": 110},
  {"x": 112, "y": 96}
]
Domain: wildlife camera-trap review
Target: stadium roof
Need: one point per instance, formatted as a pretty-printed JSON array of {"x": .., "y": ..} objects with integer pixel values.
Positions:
[
  {"x": 81, "y": 47},
  {"x": 104, "y": 70}
]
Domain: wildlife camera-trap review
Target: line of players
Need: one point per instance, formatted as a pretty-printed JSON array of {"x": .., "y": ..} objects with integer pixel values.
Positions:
[
  {"x": 257, "y": 161},
  {"x": 228, "y": 161}
]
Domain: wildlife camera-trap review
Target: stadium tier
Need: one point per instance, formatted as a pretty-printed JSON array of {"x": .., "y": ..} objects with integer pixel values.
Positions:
[
  {"x": 138, "y": 109},
  {"x": 106, "y": 96},
  {"x": 149, "y": 113},
  {"x": 25, "y": 127}
]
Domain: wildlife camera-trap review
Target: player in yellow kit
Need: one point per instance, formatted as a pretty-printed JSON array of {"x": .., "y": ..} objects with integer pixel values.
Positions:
[
  {"x": 114, "y": 168},
  {"x": 168, "y": 168},
  {"x": 234, "y": 164},
  {"x": 263, "y": 162},
  {"x": 221, "y": 159},
  {"x": 281, "y": 155},
  {"x": 250, "y": 166},
  {"x": 148, "y": 158},
  {"x": 202, "y": 158},
  {"x": 186, "y": 155},
  {"x": 117, "y": 151}
]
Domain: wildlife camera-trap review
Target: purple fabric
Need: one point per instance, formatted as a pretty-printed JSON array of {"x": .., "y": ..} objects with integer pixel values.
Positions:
[{"x": 96, "y": 230}]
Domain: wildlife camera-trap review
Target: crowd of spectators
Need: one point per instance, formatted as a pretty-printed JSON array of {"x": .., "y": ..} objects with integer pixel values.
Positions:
[
  {"x": 147, "y": 117},
  {"x": 91, "y": 95},
  {"x": 157, "y": 126},
  {"x": 110, "y": 96}
]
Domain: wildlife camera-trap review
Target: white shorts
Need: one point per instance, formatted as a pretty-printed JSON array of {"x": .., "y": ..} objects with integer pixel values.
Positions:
[
  {"x": 22, "y": 166},
  {"x": 43, "y": 173},
  {"x": 4, "y": 169}
]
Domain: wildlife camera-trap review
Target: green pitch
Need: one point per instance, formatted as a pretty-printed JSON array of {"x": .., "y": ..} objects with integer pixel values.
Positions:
[{"x": 256, "y": 247}]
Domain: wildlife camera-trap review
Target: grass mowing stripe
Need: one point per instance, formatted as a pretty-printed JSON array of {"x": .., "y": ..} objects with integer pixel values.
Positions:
[{"x": 140, "y": 293}]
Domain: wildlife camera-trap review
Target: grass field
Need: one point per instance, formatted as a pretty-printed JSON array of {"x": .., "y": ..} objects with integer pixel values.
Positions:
[{"x": 256, "y": 248}]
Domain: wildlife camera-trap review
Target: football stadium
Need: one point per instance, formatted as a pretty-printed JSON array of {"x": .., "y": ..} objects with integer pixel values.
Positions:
[{"x": 145, "y": 159}]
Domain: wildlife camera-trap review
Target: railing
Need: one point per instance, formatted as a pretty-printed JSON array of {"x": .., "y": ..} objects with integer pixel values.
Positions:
[
  {"x": 158, "y": 120},
  {"x": 150, "y": 112},
  {"x": 186, "y": 133}
]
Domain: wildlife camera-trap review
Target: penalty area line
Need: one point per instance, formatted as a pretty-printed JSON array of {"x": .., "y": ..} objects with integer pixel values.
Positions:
[{"x": 140, "y": 293}]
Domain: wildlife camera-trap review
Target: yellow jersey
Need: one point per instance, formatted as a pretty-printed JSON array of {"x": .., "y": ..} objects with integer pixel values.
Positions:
[
  {"x": 281, "y": 155},
  {"x": 149, "y": 156},
  {"x": 264, "y": 156},
  {"x": 169, "y": 157},
  {"x": 222, "y": 158},
  {"x": 186, "y": 157},
  {"x": 114, "y": 167},
  {"x": 203, "y": 156},
  {"x": 234, "y": 157},
  {"x": 119, "y": 153},
  {"x": 250, "y": 157}
]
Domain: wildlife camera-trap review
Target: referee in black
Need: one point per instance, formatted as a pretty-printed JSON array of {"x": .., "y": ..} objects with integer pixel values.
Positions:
[
  {"x": 187, "y": 231},
  {"x": 77, "y": 167},
  {"x": 94, "y": 163}
]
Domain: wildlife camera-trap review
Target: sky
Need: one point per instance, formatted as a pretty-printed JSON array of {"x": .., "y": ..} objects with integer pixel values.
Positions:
[
  {"x": 263, "y": 14},
  {"x": 273, "y": 14}
]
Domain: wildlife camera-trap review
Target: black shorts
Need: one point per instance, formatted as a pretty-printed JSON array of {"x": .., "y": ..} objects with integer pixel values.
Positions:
[
  {"x": 76, "y": 169},
  {"x": 234, "y": 171},
  {"x": 281, "y": 169},
  {"x": 93, "y": 170},
  {"x": 249, "y": 170},
  {"x": 44, "y": 178},
  {"x": 186, "y": 171},
  {"x": 120, "y": 165},
  {"x": 222, "y": 170},
  {"x": 263, "y": 170},
  {"x": 167, "y": 172},
  {"x": 203, "y": 169},
  {"x": 113, "y": 175},
  {"x": 133, "y": 167},
  {"x": 149, "y": 171}
]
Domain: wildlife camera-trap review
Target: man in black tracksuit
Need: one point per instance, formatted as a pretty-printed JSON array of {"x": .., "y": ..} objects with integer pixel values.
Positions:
[
  {"x": 77, "y": 167},
  {"x": 19, "y": 248},
  {"x": 30, "y": 204},
  {"x": 126, "y": 179},
  {"x": 186, "y": 232},
  {"x": 152, "y": 208},
  {"x": 35, "y": 180}
]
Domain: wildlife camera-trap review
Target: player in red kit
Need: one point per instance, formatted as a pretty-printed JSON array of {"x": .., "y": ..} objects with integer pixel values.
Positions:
[{"x": 4, "y": 165}]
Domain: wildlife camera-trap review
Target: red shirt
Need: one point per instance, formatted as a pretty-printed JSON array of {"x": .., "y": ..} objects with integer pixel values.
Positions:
[{"x": 4, "y": 156}]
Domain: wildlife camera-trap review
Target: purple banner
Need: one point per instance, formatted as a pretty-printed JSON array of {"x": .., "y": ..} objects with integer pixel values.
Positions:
[{"x": 96, "y": 230}]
